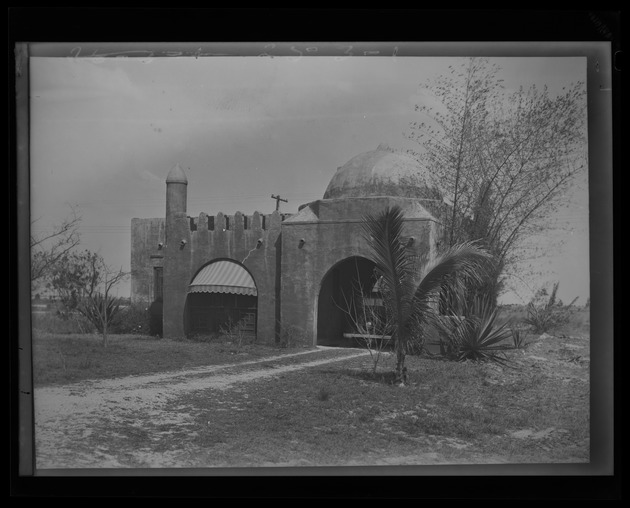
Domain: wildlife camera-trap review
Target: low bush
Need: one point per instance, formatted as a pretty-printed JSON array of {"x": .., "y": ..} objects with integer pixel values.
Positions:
[
  {"x": 100, "y": 310},
  {"x": 474, "y": 335},
  {"x": 236, "y": 334},
  {"x": 54, "y": 322},
  {"x": 519, "y": 338},
  {"x": 546, "y": 313},
  {"x": 133, "y": 319},
  {"x": 291, "y": 336}
]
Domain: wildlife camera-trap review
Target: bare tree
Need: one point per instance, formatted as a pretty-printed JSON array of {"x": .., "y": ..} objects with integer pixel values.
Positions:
[
  {"x": 369, "y": 319},
  {"x": 84, "y": 282},
  {"x": 504, "y": 159},
  {"x": 49, "y": 247}
]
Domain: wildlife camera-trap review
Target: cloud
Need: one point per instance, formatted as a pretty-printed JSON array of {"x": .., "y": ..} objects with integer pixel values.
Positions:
[{"x": 80, "y": 79}]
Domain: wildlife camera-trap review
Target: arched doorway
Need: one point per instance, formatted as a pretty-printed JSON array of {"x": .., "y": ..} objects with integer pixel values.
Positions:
[
  {"x": 222, "y": 295},
  {"x": 344, "y": 289}
]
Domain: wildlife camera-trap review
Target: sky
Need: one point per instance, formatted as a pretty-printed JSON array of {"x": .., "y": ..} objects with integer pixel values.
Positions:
[{"x": 105, "y": 132}]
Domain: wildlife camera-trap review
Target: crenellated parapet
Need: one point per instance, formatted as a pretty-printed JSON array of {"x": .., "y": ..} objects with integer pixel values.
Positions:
[{"x": 237, "y": 222}]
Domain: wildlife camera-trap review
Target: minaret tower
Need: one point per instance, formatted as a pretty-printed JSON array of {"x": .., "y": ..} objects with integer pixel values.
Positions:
[
  {"x": 177, "y": 253},
  {"x": 176, "y": 195}
]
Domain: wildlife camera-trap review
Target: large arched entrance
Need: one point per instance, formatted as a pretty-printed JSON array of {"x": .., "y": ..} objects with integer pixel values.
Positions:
[
  {"x": 345, "y": 289},
  {"x": 222, "y": 295}
]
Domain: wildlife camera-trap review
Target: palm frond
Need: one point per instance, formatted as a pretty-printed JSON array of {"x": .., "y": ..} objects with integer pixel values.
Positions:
[
  {"x": 410, "y": 303},
  {"x": 467, "y": 262},
  {"x": 394, "y": 265}
]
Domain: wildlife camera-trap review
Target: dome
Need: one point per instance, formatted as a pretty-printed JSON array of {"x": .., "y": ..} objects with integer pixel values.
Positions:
[
  {"x": 379, "y": 172},
  {"x": 176, "y": 175}
]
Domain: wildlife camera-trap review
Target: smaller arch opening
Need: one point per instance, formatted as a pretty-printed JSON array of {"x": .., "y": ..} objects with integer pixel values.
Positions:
[{"x": 222, "y": 296}]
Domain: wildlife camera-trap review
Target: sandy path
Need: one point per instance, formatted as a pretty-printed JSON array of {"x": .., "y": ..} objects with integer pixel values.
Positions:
[{"x": 66, "y": 415}]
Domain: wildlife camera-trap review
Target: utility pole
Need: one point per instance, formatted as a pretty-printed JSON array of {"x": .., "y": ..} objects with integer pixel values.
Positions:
[{"x": 278, "y": 199}]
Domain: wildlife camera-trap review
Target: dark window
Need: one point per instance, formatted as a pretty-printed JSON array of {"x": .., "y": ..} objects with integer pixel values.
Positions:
[
  {"x": 158, "y": 279},
  {"x": 212, "y": 312}
]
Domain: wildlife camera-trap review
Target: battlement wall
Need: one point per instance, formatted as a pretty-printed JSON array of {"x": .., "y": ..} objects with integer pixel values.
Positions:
[{"x": 237, "y": 222}]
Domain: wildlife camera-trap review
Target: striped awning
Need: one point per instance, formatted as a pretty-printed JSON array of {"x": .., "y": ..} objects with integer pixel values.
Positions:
[{"x": 223, "y": 277}]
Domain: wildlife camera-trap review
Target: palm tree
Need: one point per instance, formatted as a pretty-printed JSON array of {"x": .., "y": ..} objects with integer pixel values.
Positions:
[{"x": 410, "y": 294}]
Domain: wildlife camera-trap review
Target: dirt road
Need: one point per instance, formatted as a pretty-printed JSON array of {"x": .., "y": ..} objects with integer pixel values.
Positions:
[{"x": 68, "y": 418}]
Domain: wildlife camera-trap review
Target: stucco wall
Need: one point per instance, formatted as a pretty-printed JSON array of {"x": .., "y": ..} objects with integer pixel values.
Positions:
[
  {"x": 146, "y": 234},
  {"x": 329, "y": 238},
  {"x": 227, "y": 239}
]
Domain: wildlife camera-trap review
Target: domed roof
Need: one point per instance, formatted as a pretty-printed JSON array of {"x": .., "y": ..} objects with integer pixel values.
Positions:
[
  {"x": 176, "y": 175},
  {"x": 379, "y": 172}
]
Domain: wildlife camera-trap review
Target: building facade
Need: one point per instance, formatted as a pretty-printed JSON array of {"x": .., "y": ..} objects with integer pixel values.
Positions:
[{"x": 277, "y": 272}]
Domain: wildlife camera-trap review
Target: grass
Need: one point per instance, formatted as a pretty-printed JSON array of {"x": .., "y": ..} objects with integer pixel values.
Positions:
[
  {"x": 335, "y": 414},
  {"x": 342, "y": 413},
  {"x": 60, "y": 359}
]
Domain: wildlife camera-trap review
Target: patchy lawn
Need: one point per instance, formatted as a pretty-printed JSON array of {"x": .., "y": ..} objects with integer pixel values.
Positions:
[
  {"x": 451, "y": 412},
  {"x": 537, "y": 411},
  {"x": 61, "y": 359}
]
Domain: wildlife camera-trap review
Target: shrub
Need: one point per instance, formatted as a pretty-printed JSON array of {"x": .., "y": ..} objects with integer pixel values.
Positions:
[
  {"x": 97, "y": 307},
  {"x": 475, "y": 335},
  {"x": 235, "y": 333},
  {"x": 291, "y": 336},
  {"x": 133, "y": 319},
  {"x": 546, "y": 313},
  {"x": 519, "y": 338},
  {"x": 54, "y": 322}
]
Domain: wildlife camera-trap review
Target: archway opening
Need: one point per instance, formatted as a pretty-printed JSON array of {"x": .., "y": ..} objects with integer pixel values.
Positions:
[
  {"x": 222, "y": 296},
  {"x": 345, "y": 290}
]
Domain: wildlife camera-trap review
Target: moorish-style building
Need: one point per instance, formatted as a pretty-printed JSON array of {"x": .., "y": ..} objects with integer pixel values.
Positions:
[{"x": 273, "y": 272}]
